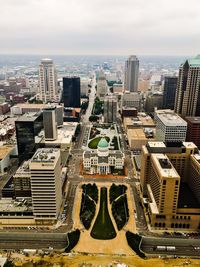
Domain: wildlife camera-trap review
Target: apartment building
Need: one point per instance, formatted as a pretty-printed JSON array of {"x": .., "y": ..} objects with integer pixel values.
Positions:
[{"x": 170, "y": 180}]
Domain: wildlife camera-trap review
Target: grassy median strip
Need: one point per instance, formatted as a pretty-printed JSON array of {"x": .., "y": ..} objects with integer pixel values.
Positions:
[{"x": 103, "y": 227}]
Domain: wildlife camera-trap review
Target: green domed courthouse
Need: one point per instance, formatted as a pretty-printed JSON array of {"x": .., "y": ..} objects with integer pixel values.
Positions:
[{"x": 100, "y": 160}]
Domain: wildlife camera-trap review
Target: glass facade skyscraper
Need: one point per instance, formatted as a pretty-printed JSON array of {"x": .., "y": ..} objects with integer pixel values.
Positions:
[
  {"x": 27, "y": 128},
  {"x": 169, "y": 92},
  {"x": 71, "y": 92}
]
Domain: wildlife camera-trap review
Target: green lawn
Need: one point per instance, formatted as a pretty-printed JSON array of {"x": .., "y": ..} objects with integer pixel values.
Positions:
[
  {"x": 94, "y": 142},
  {"x": 103, "y": 227}
]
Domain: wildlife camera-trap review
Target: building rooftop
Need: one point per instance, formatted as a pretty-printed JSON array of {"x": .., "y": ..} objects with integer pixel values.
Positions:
[
  {"x": 136, "y": 133},
  {"x": 171, "y": 119},
  {"x": 189, "y": 145},
  {"x": 45, "y": 155},
  {"x": 47, "y": 61},
  {"x": 164, "y": 166},
  {"x": 141, "y": 120},
  {"x": 5, "y": 150},
  {"x": 193, "y": 119},
  {"x": 27, "y": 105},
  {"x": 103, "y": 143},
  {"x": 64, "y": 136},
  {"x": 28, "y": 117},
  {"x": 156, "y": 144},
  {"x": 23, "y": 170},
  {"x": 10, "y": 205},
  {"x": 194, "y": 62}
]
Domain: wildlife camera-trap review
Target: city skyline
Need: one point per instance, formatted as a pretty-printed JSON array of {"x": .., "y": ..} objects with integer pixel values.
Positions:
[{"x": 82, "y": 28}]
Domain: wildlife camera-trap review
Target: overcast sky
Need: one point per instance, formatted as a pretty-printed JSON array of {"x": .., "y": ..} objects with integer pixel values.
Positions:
[{"x": 100, "y": 27}]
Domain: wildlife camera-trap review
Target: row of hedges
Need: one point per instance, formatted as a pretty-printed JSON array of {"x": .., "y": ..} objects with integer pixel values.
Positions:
[
  {"x": 88, "y": 204},
  {"x": 118, "y": 201},
  {"x": 91, "y": 190},
  {"x": 115, "y": 142},
  {"x": 134, "y": 242},
  {"x": 116, "y": 191}
]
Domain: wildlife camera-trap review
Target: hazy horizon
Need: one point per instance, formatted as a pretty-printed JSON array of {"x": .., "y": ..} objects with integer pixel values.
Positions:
[{"x": 100, "y": 27}]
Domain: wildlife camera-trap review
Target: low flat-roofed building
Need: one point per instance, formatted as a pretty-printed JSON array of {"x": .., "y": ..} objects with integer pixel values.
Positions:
[
  {"x": 64, "y": 138},
  {"x": 137, "y": 137},
  {"x": 23, "y": 108},
  {"x": 142, "y": 120},
  {"x": 5, "y": 152},
  {"x": 16, "y": 212},
  {"x": 22, "y": 181}
]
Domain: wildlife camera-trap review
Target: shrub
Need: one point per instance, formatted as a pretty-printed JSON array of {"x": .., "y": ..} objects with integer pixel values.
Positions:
[
  {"x": 120, "y": 211},
  {"x": 134, "y": 242},
  {"x": 116, "y": 191},
  {"x": 73, "y": 238},
  {"x": 91, "y": 190}
]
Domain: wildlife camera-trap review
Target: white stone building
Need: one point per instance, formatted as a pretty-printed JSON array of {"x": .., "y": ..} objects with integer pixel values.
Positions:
[{"x": 102, "y": 160}]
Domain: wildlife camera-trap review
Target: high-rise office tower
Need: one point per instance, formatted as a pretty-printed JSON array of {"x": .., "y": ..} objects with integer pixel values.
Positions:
[
  {"x": 46, "y": 186},
  {"x": 153, "y": 100},
  {"x": 71, "y": 92},
  {"x": 48, "y": 88},
  {"x": 131, "y": 74},
  {"x": 110, "y": 109},
  {"x": 187, "y": 102},
  {"x": 27, "y": 128},
  {"x": 169, "y": 92},
  {"x": 169, "y": 126},
  {"x": 193, "y": 130},
  {"x": 131, "y": 100},
  {"x": 59, "y": 115},
  {"x": 170, "y": 180},
  {"x": 102, "y": 87},
  {"x": 50, "y": 124}
]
